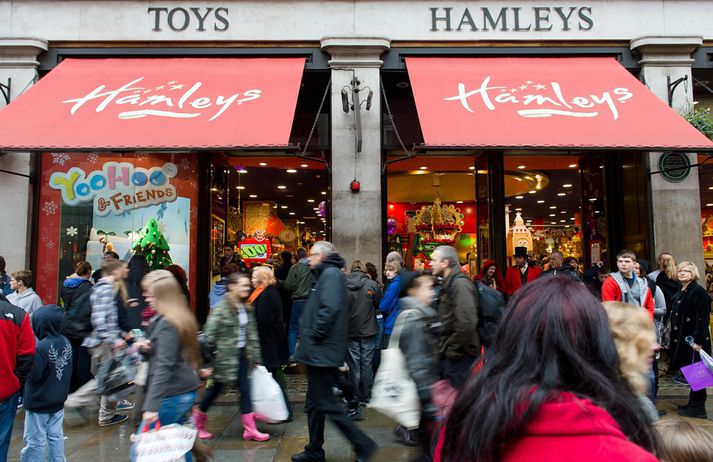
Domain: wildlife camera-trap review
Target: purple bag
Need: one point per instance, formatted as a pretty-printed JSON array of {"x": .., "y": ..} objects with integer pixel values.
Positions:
[{"x": 699, "y": 375}]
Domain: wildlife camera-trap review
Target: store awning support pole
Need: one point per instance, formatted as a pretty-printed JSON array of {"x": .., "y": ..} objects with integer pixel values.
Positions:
[
  {"x": 18, "y": 174},
  {"x": 5, "y": 89},
  {"x": 409, "y": 154},
  {"x": 672, "y": 87},
  {"x": 303, "y": 154}
]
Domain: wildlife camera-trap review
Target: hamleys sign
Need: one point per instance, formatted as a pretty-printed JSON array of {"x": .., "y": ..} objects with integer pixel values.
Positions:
[
  {"x": 158, "y": 103},
  {"x": 512, "y": 103}
]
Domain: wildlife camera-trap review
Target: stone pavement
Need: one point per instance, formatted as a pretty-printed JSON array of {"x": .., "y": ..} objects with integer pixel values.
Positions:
[{"x": 89, "y": 443}]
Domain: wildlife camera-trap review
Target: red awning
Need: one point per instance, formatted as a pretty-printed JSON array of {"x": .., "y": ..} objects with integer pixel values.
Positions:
[
  {"x": 156, "y": 104},
  {"x": 543, "y": 103}
]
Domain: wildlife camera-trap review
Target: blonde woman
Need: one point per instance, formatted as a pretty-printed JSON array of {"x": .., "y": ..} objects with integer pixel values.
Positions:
[
  {"x": 229, "y": 325},
  {"x": 267, "y": 305},
  {"x": 690, "y": 316},
  {"x": 172, "y": 350},
  {"x": 636, "y": 344}
]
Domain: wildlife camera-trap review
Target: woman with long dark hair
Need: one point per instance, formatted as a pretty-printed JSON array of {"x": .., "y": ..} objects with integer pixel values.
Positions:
[{"x": 551, "y": 389}]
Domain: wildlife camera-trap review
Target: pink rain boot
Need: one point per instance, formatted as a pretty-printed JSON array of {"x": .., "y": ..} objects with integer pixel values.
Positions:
[
  {"x": 250, "y": 431},
  {"x": 200, "y": 418}
]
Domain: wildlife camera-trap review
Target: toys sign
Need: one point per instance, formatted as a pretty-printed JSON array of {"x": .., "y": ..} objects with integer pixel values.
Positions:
[{"x": 252, "y": 250}]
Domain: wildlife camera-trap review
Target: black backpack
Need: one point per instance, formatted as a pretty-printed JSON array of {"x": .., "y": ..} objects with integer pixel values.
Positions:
[{"x": 491, "y": 306}]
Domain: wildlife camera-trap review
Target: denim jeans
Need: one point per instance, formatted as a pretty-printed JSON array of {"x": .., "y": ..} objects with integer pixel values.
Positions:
[
  {"x": 360, "y": 357},
  {"x": 8, "y": 409},
  {"x": 43, "y": 431},
  {"x": 172, "y": 410},
  {"x": 246, "y": 404},
  {"x": 293, "y": 332}
]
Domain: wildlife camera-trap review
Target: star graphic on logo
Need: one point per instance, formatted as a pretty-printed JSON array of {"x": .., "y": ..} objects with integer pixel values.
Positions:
[
  {"x": 177, "y": 87},
  {"x": 539, "y": 86},
  {"x": 137, "y": 91},
  {"x": 148, "y": 90},
  {"x": 160, "y": 87},
  {"x": 528, "y": 82},
  {"x": 523, "y": 87},
  {"x": 513, "y": 90},
  {"x": 172, "y": 82}
]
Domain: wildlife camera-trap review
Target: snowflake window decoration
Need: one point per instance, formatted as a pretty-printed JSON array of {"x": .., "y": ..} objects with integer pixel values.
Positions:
[
  {"x": 72, "y": 231},
  {"x": 50, "y": 207}
]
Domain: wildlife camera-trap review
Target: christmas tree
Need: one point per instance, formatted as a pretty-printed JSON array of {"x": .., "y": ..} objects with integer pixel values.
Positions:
[{"x": 154, "y": 246}]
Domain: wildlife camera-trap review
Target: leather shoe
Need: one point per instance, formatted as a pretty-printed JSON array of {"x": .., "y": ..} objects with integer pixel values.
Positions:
[
  {"x": 404, "y": 436},
  {"x": 693, "y": 411},
  {"x": 368, "y": 455},
  {"x": 306, "y": 457}
]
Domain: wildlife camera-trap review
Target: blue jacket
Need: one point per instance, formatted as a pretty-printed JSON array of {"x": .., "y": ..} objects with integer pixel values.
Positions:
[
  {"x": 5, "y": 288},
  {"x": 389, "y": 305},
  {"x": 218, "y": 291},
  {"x": 47, "y": 385}
]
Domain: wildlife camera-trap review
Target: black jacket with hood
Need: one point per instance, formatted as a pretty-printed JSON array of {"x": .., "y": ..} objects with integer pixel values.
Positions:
[
  {"x": 363, "y": 296},
  {"x": 325, "y": 318},
  {"x": 78, "y": 310},
  {"x": 47, "y": 385}
]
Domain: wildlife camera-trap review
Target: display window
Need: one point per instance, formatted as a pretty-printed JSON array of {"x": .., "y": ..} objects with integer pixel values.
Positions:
[{"x": 91, "y": 203}]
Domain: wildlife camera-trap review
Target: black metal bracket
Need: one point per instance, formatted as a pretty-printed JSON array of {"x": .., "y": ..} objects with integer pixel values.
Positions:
[
  {"x": 29, "y": 177},
  {"x": 5, "y": 90},
  {"x": 672, "y": 87},
  {"x": 673, "y": 169}
]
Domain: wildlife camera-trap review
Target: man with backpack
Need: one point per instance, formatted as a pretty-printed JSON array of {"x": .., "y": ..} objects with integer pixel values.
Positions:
[{"x": 459, "y": 345}]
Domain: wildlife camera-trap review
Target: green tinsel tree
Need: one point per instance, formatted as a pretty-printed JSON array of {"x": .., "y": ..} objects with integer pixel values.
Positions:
[{"x": 154, "y": 246}]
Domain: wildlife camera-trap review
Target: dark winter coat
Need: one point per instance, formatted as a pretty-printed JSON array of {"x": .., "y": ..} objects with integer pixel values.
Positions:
[
  {"x": 458, "y": 311},
  {"x": 270, "y": 328},
  {"x": 47, "y": 385},
  {"x": 690, "y": 316},
  {"x": 138, "y": 268},
  {"x": 564, "y": 270},
  {"x": 300, "y": 280},
  {"x": 418, "y": 340},
  {"x": 325, "y": 317},
  {"x": 669, "y": 287},
  {"x": 363, "y": 296},
  {"x": 77, "y": 307}
]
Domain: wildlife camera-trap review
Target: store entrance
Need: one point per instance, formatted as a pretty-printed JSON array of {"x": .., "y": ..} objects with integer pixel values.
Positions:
[{"x": 262, "y": 205}]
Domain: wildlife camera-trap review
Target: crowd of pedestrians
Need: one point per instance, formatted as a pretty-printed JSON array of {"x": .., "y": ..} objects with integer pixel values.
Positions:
[{"x": 521, "y": 364}]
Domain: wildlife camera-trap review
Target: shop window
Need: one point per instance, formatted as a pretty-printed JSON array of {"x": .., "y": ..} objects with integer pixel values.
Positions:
[
  {"x": 431, "y": 202},
  {"x": 265, "y": 204},
  {"x": 93, "y": 203}
]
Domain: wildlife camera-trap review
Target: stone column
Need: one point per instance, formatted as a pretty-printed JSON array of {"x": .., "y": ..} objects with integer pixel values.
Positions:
[
  {"x": 676, "y": 208},
  {"x": 18, "y": 62},
  {"x": 356, "y": 216}
]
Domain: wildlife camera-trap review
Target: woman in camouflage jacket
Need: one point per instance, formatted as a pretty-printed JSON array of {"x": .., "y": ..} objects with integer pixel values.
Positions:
[{"x": 231, "y": 325}]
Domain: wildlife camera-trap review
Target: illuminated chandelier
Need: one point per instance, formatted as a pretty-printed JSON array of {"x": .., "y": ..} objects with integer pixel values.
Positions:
[{"x": 439, "y": 223}]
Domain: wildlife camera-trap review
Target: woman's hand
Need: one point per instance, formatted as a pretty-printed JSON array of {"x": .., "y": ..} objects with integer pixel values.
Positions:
[
  {"x": 150, "y": 417},
  {"x": 696, "y": 347},
  {"x": 205, "y": 372}
]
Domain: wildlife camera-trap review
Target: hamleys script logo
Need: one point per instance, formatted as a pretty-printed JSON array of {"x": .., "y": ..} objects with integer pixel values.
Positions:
[
  {"x": 541, "y": 100},
  {"x": 171, "y": 100}
]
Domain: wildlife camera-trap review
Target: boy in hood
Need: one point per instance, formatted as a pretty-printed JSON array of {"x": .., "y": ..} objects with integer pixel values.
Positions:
[
  {"x": 24, "y": 296},
  {"x": 47, "y": 388},
  {"x": 220, "y": 288}
]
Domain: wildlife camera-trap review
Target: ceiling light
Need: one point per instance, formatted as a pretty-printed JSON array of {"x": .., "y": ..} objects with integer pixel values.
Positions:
[
  {"x": 274, "y": 206},
  {"x": 518, "y": 197},
  {"x": 214, "y": 189},
  {"x": 563, "y": 211},
  {"x": 573, "y": 217},
  {"x": 593, "y": 199},
  {"x": 552, "y": 214},
  {"x": 522, "y": 167},
  {"x": 572, "y": 165},
  {"x": 709, "y": 205},
  {"x": 519, "y": 209},
  {"x": 710, "y": 187},
  {"x": 304, "y": 165},
  {"x": 423, "y": 168},
  {"x": 324, "y": 193},
  {"x": 283, "y": 206},
  {"x": 459, "y": 202},
  {"x": 472, "y": 167},
  {"x": 240, "y": 187},
  {"x": 562, "y": 221},
  {"x": 532, "y": 192},
  {"x": 310, "y": 200},
  {"x": 292, "y": 213},
  {"x": 568, "y": 185},
  {"x": 253, "y": 196},
  {"x": 263, "y": 164},
  {"x": 540, "y": 201},
  {"x": 553, "y": 222},
  {"x": 552, "y": 207},
  {"x": 561, "y": 194},
  {"x": 291, "y": 170},
  {"x": 281, "y": 187}
]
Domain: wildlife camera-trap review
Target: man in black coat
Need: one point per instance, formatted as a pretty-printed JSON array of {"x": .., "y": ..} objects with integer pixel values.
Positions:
[{"x": 323, "y": 348}]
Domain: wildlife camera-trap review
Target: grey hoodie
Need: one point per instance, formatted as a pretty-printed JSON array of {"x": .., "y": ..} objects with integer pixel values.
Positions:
[{"x": 28, "y": 300}]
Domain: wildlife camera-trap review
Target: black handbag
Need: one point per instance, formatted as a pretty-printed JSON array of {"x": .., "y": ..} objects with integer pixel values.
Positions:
[{"x": 115, "y": 375}]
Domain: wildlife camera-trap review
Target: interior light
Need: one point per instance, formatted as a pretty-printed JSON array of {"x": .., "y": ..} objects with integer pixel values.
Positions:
[
  {"x": 292, "y": 213},
  {"x": 240, "y": 187},
  {"x": 562, "y": 221},
  {"x": 253, "y": 196},
  {"x": 468, "y": 210},
  {"x": 532, "y": 191},
  {"x": 552, "y": 214},
  {"x": 709, "y": 205},
  {"x": 568, "y": 185},
  {"x": 710, "y": 187},
  {"x": 519, "y": 209},
  {"x": 459, "y": 202},
  {"x": 522, "y": 167},
  {"x": 324, "y": 193},
  {"x": 304, "y": 165},
  {"x": 540, "y": 201},
  {"x": 291, "y": 170},
  {"x": 573, "y": 217},
  {"x": 518, "y": 197},
  {"x": 310, "y": 200},
  {"x": 283, "y": 206},
  {"x": 593, "y": 199},
  {"x": 552, "y": 207},
  {"x": 561, "y": 194},
  {"x": 553, "y": 222},
  {"x": 391, "y": 206},
  {"x": 472, "y": 167},
  {"x": 572, "y": 165},
  {"x": 281, "y": 187},
  {"x": 423, "y": 168},
  {"x": 274, "y": 206},
  {"x": 263, "y": 164},
  {"x": 563, "y": 211}
]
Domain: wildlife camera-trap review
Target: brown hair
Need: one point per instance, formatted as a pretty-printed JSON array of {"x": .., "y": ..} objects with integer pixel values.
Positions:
[
  {"x": 626, "y": 254},
  {"x": 669, "y": 268},
  {"x": 23, "y": 276},
  {"x": 109, "y": 266},
  {"x": 634, "y": 336},
  {"x": 357, "y": 265},
  {"x": 170, "y": 302},
  {"x": 83, "y": 268},
  {"x": 682, "y": 441}
]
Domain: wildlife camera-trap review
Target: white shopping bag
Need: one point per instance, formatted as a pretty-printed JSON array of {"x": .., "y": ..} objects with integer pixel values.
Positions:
[
  {"x": 266, "y": 394},
  {"x": 394, "y": 393},
  {"x": 164, "y": 444}
]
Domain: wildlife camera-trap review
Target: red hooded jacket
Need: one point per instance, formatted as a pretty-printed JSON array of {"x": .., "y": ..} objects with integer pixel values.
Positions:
[
  {"x": 571, "y": 430},
  {"x": 499, "y": 281}
]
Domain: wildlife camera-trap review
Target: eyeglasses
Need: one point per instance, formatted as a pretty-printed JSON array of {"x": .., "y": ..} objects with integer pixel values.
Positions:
[{"x": 685, "y": 271}]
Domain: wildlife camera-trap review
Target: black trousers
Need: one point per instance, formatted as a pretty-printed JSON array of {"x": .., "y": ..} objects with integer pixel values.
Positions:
[
  {"x": 457, "y": 372},
  {"x": 322, "y": 403},
  {"x": 81, "y": 365}
]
